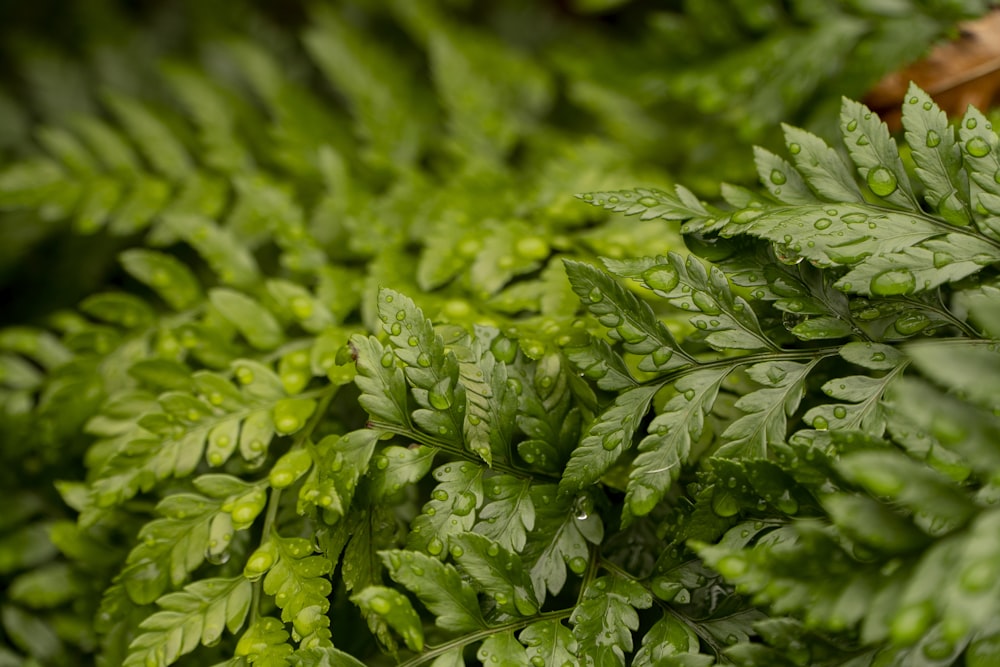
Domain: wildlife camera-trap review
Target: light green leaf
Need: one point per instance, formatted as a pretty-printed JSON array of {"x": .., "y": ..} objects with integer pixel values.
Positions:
[
  {"x": 686, "y": 283},
  {"x": 605, "y": 619},
  {"x": 439, "y": 586},
  {"x": 767, "y": 409},
  {"x": 509, "y": 512},
  {"x": 674, "y": 430},
  {"x": 196, "y": 615},
  {"x": 451, "y": 509},
  {"x": 172, "y": 280},
  {"x": 668, "y": 637},
  {"x": 874, "y": 152},
  {"x": 630, "y": 320},
  {"x": 503, "y": 650},
  {"x": 397, "y": 611},
  {"x": 821, "y": 166},
  {"x": 497, "y": 571},
  {"x": 551, "y": 641},
  {"x": 608, "y": 437},
  {"x": 255, "y": 322},
  {"x": 781, "y": 179}
]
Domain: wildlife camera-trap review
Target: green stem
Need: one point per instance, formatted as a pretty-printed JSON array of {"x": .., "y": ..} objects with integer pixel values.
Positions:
[
  {"x": 435, "y": 651},
  {"x": 431, "y": 441}
]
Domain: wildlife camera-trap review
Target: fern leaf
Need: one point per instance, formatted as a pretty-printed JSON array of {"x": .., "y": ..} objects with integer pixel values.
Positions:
[
  {"x": 508, "y": 514},
  {"x": 451, "y": 509},
  {"x": 937, "y": 156},
  {"x": 502, "y": 648},
  {"x": 265, "y": 643},
  {"x": 560, "y": 539},
  {"x": 605, "y": 619},
  {"x": 629, "y": 319},
  {"x": 781, "y": 179},
  {"x": 551, "y": 641},
  {"x": 767, "y": 409},
  {"x": 431, "y": 370},
  {"x": 607, "y": 438},
  {"x": 196, "y": 615},
  {"x": 729, "y": 320},
  {"x": 395, "y": 608},
  {"x": 381, "y": 381},
  {"x": 874, "y": 152},
  {"x": 439, "y": 586},
  {"x": 491, "y": 405},
  {"x": 300, "y": 589},
  {"x": 670, "y": 637},
  {"x": 173, "y": 281},
  {"x": 672, "y": 433},
  {"x": 497, "y": 571}
]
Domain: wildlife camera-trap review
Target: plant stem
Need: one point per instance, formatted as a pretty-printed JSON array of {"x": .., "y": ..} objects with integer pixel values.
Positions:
[{"x": 465, "y": 640}]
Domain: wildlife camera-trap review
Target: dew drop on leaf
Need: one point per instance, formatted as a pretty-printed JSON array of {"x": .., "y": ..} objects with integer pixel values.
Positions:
[
  {"x": 648, "y": 202},
  {"x": 663, "y": 277},
  {"x": 465, "y": 502},
  {"x": 933, "y": 139},
  {"x": 851, "y": 126},
  {"x": 971, "y": 123},
  {"x": 217, "y": 557},
  {"x": 881, "y": 181},
  {"x": 977, "y": 147},
  {"x": 822, "y": 223},
  {"x": 794, "y": 149},
  {"x": 840, "y": 412},
  {"x": 578, "y": 564},
  {"x": 424, "y": 360},
  {"x": 893, "y": 282},
  {"x": 912, "y": 323},
  {"x": 595, "y": 295},
  {"x": 434, "y": 547},
  {"x": 778, "y": 177},
  {"x": 381, "y": 462}
]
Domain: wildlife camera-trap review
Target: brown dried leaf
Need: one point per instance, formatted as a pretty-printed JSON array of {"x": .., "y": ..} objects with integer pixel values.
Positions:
[{"x": 956, "y": 74}]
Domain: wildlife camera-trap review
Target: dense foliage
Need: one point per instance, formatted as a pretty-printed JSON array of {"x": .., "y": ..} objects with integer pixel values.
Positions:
[{"x": 362, "y": 393}]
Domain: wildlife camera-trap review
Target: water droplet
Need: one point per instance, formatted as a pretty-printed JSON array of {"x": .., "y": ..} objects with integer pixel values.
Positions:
[
  {"x": 217, "y": 557},
  {"x": 538, "y": 661},
  {"x": 578, "y": 564},
  {"x": 387, "y": 359},
  {"x": 794, "y": 149},
  {"x": 911, "y": 323},
  {"x": 705, "y": 303},
  {"x": 582, "y": 507},
  {"x": 822, "y": 223},
  {"x": 412, "y": 341},
  {"x": 434, "y": 547},
  {"x": 971, "y": 123},
  {"x": 663, "y": 277},
  {"x": 851, "y": 126},
  {"x": 662, "y": 355},
  {"x": 840, "y": 412},
  {"x": 724, "y": 504},
  {"x": 778, "y": 177},
  {"x": 464, "y": 503},
  {"x": 893, "y": 282},
  {"x": 423, "y": 360},
  {"x": 933, "y": 139},
  {"x": 746, "y": 215},
  {"x": 862, "y": 140},
  {"x": 456, "y": 551},
  {"x": 820, "y": 423},
  {"x": 439, "y": 400},
  {"x": 381, "y": 462},
  {"x": 595, "y": 296},
  {"x": 881, "y": 181},
  {"x": 396, "y": 329},
  {"x": 977, "y": 147}
]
